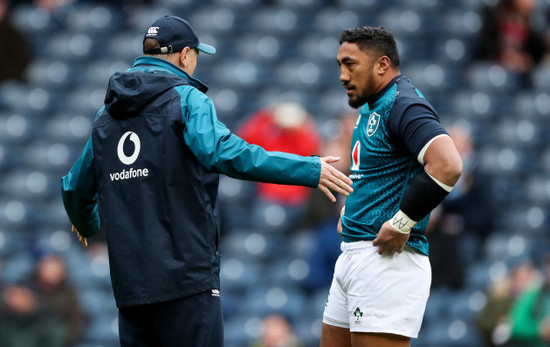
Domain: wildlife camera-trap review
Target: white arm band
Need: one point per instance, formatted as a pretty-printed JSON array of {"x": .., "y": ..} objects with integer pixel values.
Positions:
[{"x": 420, "y": 157}]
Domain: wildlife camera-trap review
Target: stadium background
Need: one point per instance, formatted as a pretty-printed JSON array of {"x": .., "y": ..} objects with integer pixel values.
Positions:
[{"x": 268, "y": 51}]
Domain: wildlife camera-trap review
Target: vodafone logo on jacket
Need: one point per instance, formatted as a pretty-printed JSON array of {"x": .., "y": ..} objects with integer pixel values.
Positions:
[{"x": 128, "y": 159}]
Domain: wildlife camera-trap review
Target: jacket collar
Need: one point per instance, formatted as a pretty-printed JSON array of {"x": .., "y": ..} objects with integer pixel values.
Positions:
[{"x": 157, "y": 64}]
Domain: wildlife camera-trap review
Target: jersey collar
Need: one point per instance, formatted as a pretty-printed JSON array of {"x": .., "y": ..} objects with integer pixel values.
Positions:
[{"x": 372, "y": 100}]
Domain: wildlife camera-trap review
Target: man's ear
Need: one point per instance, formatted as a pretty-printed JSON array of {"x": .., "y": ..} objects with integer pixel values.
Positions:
[
  {"x": 383, "y": 64},
  {"x": 183, "y": 56}
]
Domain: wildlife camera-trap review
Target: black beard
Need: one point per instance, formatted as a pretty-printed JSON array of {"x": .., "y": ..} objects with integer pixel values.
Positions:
[{"x": 358, "y": 102}]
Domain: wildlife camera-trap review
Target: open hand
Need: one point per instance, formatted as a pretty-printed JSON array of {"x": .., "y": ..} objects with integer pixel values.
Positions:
[{"x": 332, "y": 179}]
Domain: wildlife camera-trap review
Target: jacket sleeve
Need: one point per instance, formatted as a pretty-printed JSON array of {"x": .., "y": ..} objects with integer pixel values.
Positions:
[
  {"x": 78, "y": 190},
  {"x": 218, "y": 149}
]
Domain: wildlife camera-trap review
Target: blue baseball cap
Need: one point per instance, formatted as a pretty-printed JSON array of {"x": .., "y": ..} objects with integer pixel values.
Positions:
[{"x": 174, "y": 34}]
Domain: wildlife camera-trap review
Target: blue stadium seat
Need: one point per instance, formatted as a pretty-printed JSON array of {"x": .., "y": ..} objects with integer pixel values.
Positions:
[
  {"x": 52, "y": 74},
  {"x": 277, "y": 298},
  {"x": 103, "y": 331},
  {"x": 461, "y": 22},
  {"x": 239, "y": 273},
  {"x": 95, "y": 19},
  {"x": 69, "y": 128},
  {"x": 332, "y": 20},
  {"x": 35, "y": 21},
  {"x": 73, "y": 46},
  {"x": 125, "y": 46},
  {"x": 85, "y": 100},
  {"x": 428, "y": 76},
  {"x": 538, "y": 189},
  {"x": 519, "y": 133},
  {"x": 491, "y": 77},
  {"x": 237, "y": 330},
  {"x": 97, "y": 73},
  {"x": 541, "y": 77}
]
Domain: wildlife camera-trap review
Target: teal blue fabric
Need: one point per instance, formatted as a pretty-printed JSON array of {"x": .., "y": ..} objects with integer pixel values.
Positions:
[
  {"x": 383, "y": 164},
  {"x": 211, "y": 142}
]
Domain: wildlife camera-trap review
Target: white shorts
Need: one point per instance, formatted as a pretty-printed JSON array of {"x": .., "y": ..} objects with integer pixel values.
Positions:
[{"x": 378, "y": 294}]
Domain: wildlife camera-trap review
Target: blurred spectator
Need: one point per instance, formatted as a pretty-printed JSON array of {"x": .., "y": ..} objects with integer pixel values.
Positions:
[
  {"x": 493, "y": 320},
  {"x": 470, "y": 202},
  {"x": 508, "y": 37},
  {"x": 58, "y": 295},
  {"x": 443, "y": 233},
  {"x": 325, "y": 250},
  {"x": 15, "y": 54},
  {"x": 530, "y": 314},
  {"x": 52, "y": 5},
  {"x": 277, "y": 332},
  {"x": 24, "y": 322},
  {"x": 285, "y": 127},
  {"x": 338, "y": 144},
  {"x": 322, "y": 216}
]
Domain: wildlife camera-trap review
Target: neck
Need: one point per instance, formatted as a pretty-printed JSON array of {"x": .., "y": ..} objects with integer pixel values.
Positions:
[{"x": 386, "y": 78}]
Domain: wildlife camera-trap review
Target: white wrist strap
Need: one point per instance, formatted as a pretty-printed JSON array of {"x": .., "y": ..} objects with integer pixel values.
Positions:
[{"x": 402, "y": 223}]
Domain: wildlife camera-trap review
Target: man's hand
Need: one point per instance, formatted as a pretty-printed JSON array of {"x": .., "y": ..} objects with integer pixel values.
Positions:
[
  {"x": 390, "y": 240},
  {"x": 81, "y": 238},
  {"x": 332, "y": 179}
]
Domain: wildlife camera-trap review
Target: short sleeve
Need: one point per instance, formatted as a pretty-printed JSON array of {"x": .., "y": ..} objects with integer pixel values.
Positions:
[{"x": 412, "y": 127}]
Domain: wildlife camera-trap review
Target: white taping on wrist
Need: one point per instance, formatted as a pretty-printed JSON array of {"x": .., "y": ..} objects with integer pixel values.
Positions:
[{"x": 402, "y": 223}]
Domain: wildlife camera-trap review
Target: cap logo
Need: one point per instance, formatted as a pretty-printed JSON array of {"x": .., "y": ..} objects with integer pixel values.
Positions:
[{"x": 153, "y": 31}]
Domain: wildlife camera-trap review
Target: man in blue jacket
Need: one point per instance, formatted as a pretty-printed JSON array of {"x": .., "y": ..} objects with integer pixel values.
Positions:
[{"x": 150, "y": 172}]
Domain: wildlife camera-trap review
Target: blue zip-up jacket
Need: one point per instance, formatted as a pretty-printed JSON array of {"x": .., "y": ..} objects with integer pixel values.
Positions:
[{"x": 152, "y": 166}]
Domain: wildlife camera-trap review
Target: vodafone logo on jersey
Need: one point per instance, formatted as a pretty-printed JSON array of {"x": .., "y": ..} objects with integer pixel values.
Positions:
[
  {"x": 356, "y": 156},
  {"x": 128, "y": 159}
]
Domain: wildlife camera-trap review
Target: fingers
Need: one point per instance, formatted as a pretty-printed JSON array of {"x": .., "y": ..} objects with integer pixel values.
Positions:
[
  {"x": 341, "y": 178},
  {"x": 387, "y": 243},
  {"x": 337, "y": 184},
  {"x": 81, "y": 238},
  {"x": 330, "y": 159},
  {"x": 334, "y": 175},
  {"x": 327, "y": 192},
  {"x": 332, "y": 179}
]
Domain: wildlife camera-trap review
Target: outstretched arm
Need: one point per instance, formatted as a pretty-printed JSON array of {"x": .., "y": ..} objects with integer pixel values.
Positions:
[{"x": 218, "y": 149}]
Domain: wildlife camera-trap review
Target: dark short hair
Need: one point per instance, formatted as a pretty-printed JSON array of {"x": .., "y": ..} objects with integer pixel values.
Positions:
[
  {"x": 150, "y": 43},
  {"x": 374, "y": 39}
]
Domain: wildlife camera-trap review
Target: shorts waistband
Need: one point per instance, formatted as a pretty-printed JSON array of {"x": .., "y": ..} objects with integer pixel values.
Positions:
[
  {"x": 354, "y": 246},
  {"x": 361, "y": 245}
]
